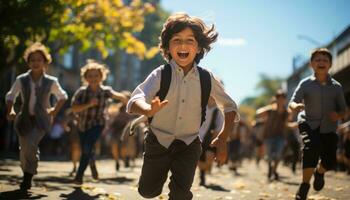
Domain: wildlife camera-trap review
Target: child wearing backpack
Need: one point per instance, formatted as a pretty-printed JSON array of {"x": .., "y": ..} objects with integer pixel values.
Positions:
[{"x": 174, "y": 97}]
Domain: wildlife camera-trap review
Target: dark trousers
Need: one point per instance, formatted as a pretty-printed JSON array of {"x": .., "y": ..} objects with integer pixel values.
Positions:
[
  {"x": 317, "y": 146},
  {"x": 88, "y": 140},
  {"x": 180, "y": 159}
]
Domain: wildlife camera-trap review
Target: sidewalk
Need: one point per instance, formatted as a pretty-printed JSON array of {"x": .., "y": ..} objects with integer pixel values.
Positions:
[{"x": 53, "y": 182}]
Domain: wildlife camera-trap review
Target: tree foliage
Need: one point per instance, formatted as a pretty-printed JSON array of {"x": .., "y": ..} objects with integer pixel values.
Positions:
[
  {"x": 266, "y": 87},
  {"x": 105, "y": 25},
  {"x": 102, "y": 24}
]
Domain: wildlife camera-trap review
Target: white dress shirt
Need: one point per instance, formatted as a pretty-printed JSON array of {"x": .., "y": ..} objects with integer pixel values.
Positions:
[
  {"x": 56, "y": 90},
  {"x": 181, "y": 117}
]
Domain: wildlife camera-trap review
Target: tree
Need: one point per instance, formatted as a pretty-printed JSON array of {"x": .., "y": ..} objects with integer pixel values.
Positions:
[
  {"x": 267, "y": 87},
  {"x": 107, "y": 25},
  {"x": 21, "y": 22},
  {"x": 150, "y": 37}
]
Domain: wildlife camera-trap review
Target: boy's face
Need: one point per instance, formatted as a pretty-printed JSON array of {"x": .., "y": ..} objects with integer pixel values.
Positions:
[
  {"x": 93, "y": 77},
  {"x": 321, "y": 64},
  {"x": 37, "y": 62},
  {"x": 183, "y": 47}
]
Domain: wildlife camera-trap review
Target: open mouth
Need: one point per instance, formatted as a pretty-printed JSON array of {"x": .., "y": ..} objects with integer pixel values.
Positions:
[
  {"x": 321, "y": 67},
  {"x": 182, "y": 55}
]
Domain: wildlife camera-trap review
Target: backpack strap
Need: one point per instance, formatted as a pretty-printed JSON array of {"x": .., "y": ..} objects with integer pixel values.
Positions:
[
  {"x": 205, "y": 80},
  {"x": 165, "y": 80}
]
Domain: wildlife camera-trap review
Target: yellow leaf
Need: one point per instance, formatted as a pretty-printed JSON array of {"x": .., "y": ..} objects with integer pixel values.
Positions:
[{"x": 152, "y": 52}]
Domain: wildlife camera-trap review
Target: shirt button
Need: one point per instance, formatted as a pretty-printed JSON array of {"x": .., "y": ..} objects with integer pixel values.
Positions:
[
  {"x": 183, "y": 100},
  {"x": 180, "y": 118}
]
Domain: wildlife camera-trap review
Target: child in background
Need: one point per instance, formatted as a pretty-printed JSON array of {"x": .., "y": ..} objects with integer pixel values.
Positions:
[
  {"x": 322, "y": 101},
  {"x": 89, "y": 103},
  {"x": 36, "y": 115}
]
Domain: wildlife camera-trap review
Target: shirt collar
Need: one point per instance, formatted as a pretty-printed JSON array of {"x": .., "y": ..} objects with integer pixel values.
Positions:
[
  {"x": 39, "y": 81},
  {"x": 176, "y": 67},
  {"x": 329, "y": 79}
]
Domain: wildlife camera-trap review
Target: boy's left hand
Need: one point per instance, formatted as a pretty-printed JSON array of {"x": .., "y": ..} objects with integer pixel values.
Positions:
[
  {"x": 52, "y": 112},
  {"x": 333, "y": 116},
  {"x": 221, "y": 150}
]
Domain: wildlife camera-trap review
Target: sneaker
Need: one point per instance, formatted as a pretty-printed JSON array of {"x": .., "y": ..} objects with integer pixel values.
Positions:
[
  {"x": 302, "y": 191},
  {"x": 318, "y": 181},
  {"x": 26, "y": 182},
  {"x": 202, "y": 178},
  {"x": 93, "y": 168},
  {"x": 276, "y": 175},
  {"x": 269, "y": 173},
  {"x": 78, "y": 181},
  {"x": 117, "y": 166}
]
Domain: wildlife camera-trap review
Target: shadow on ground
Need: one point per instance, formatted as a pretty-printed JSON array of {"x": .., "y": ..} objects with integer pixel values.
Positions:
[
  {"x": 18, "y": 194},
  {"x": 216, "y": 187},
  {"x": 78, "y": 193},
  {"x": 119, "y": 180}
]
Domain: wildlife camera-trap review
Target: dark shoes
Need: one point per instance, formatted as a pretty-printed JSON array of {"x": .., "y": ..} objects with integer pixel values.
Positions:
[
  {"x": 93, "y": 168},
  {"x": 202, "y": 178},
  {"x": 302, "y": 191},
  {"x": 277, "y": 176},
  {"x": 26, "y": 182},
  {"x": 78, "y": 180},
  {"x": 117, "y": 166},
  {"x": 318, "y": 181}
]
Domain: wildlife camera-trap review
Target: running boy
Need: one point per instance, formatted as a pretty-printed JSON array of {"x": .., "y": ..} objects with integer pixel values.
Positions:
[
  {"x": 172, "y": 143},
  {"x": 90, "y": 102},
  {"x": 36, "y": 114},
  {"x": 322, "y": 100}
]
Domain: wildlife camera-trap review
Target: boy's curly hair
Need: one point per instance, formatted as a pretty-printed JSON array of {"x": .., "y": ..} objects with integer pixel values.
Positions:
[
  {"x": 93, "y": 65},
  {"x": 323, "y": 51},
  {"x": 37, "y": 47},
  {"x": 176, "y": 23}
]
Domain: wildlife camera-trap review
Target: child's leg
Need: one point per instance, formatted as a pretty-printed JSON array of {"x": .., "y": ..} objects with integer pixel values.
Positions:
[
  {"x": 183, "y": 168},
  {"x": 87, "y": 141},
  {"x": 328, "y": 152},
  {"x": 29, "y": 153},
  {"x": 29, "y": 156},
  {"x": 155, "y": 168},
  {"x": 328, "y": 156}
]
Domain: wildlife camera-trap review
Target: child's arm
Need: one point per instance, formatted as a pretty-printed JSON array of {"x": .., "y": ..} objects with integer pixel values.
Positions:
[
  {"x": 119, "y": 96},
  {"x": 341, "y": 104},
  {"x": 142, "y": 108},
  {"x": 53, "y": 112},
  {"x": 81, "y": 107},
  {"x": 10, "y": 98},
  {"x": 220, "y": 141},
  {"x": 295, "y": 103},
  {"x": 11, "y": 114},
  {"x": 296, "y": 107},
  {"x": 61, "y": 97},
  {"x": 335, "y": 116}
]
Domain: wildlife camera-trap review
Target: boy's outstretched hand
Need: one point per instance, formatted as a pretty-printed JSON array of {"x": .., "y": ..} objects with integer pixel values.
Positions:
[
  {"x": 221, "y": 150},
  {"x": 11, "y": 116},
  {"x": 156, "y": 105}
]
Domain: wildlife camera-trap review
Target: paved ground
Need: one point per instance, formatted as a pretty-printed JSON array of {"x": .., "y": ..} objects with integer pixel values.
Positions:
[{"x": 54, "y": 182}]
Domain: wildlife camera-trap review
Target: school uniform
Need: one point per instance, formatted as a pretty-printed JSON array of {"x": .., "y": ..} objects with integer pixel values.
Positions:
[
  {"x": 33, "y": 121},
  {"x": 90, "y": 122},
  {"x": 172, "y": 143},
  {"x": 318, "y": 132}
]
